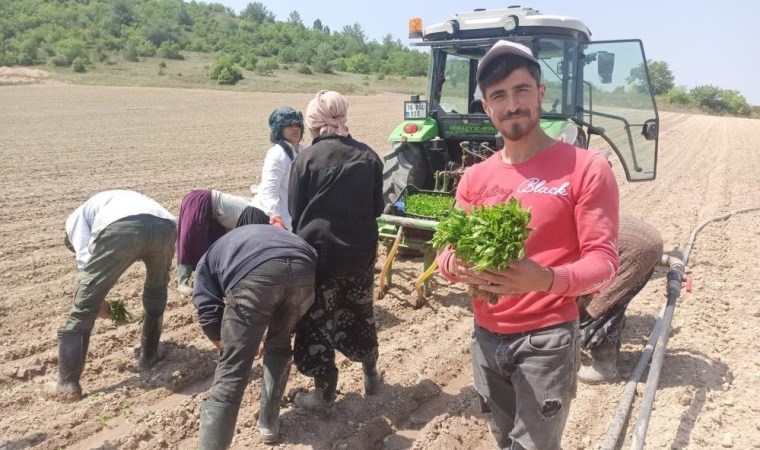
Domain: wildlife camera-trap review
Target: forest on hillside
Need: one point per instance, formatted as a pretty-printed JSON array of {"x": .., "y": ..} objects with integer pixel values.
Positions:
[{"x": 78, "y": 33}]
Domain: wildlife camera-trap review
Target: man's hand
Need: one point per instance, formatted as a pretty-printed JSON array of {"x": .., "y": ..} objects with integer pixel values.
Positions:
[{"x": 522, "y": 275}]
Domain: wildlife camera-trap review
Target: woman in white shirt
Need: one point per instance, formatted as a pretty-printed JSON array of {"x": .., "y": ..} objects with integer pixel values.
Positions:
[{"x": 271, "y": 195}]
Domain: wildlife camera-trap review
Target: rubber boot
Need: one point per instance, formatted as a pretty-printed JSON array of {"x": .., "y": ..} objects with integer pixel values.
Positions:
[
  {"x": 151, "y": 334},
  {"x": 603, "y": 368},
  {"x": 276, "y": 371},
  {"x": 372, "y": 378},
  {"x": 217, "y": 425},
  {"x": 72, "y": 354},
  {"x": 183, "y": 284},
  {"x": 322, "y": 399}
]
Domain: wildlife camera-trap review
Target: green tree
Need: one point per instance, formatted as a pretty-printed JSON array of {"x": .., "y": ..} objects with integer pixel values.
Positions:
[
  {"x": 660, "y": 76},
  {"x": 257, "y": 12},
  {"x": 79, "y": 65},
  {"x": 708, "y": 97},
  {"x": 67, "y": 50},
  {"x": 323, "y": 59},
  {"x": 224, "y": 71},
  {"x": 678, "y": 96},
  {"x": 735, "y": 103},
  {"x": 295, "y": 19},
  {"x": 169, "y": 50},
  {"x": 355, "y": 31},
  {"x": 359, "y": 63}
]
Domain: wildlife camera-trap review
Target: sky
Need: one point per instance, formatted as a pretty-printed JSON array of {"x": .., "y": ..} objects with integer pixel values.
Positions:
[{"x": 702, "y": 42}]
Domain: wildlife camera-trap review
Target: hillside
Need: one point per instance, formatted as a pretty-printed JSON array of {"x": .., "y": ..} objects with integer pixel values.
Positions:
[{"x": 79, "y": 35}]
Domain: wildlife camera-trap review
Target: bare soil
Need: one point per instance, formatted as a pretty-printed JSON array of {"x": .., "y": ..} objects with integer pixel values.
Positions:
[
  {"x": 60, "y": 144},
  {"x": 22, "y": 75}
]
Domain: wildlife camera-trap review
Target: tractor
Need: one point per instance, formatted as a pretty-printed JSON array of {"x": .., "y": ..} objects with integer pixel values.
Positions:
[{"x": 598, "y": 94}]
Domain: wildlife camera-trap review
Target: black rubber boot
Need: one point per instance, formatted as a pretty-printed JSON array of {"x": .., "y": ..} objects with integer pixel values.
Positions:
[
  {"x": 603, "y": 368},
  {"x": 372, "y": 378},
  {"x": 217, "y": 425},
  {"x": 183, "y": 284},
  {"x": 151, "y": 334},
  {"x": 322, "y": 399},
  {"x": 72, "y": 354},
  {"x": 276, "y": 371}
]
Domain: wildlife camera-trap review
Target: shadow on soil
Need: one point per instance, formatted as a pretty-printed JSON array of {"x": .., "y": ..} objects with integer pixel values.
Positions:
[
  {"x": 25, "y": 442},
  {"x": 365, "y": 422},
  {"x": 180, "y": 366}
]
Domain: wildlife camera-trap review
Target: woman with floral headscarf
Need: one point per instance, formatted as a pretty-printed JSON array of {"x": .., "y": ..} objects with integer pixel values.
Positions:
[
  {"x": 271, "y": 195},
  {"x": 335, "y": 197}
]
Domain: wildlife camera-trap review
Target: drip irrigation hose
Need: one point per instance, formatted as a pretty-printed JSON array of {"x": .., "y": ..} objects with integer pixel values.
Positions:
[{"x": 656, "y": 346}]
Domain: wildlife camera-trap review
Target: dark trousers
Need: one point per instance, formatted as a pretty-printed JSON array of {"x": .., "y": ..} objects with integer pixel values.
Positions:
[
  {"x": 342, "y": 318},
  {"x": 143, "y": 238},
  {"x": 272, "y": 297},
  {"x": 527, "y": 381}
]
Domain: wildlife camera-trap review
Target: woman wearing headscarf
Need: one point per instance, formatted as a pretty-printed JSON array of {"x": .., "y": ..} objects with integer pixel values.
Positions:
[
  {"x": 271, "y": 195},
  {"x": 335, "y": 197},
  {"x": 204, "y": 216}
]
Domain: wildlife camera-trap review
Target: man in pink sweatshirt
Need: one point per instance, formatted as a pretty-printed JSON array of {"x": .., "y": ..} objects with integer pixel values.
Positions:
[{"x": 525, "y": 347}]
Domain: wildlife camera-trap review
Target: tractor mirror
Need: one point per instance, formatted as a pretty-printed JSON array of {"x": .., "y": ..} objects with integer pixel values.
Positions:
[
  {"x": 605, "y": 62},
  {"x": 650, "y": 130}
]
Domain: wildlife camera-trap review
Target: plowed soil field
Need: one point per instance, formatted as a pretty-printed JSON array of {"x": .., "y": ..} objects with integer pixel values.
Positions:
[{"x": 60, "y": 144}]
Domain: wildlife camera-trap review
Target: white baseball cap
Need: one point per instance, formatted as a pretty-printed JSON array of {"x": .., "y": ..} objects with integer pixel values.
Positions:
[{"x": 503, "y": 48}]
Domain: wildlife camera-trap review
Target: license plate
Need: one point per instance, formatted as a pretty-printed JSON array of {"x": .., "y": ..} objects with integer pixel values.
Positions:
[{"x": 415, "y": 110}]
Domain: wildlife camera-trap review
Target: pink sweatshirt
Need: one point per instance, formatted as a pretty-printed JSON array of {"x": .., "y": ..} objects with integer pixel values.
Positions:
[{"x": 573, "y": 199}]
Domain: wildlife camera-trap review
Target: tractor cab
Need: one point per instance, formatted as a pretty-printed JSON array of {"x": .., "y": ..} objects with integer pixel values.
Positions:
[
  {"x": 598, "y": 95},
  {"x": 597, "y": 89}
]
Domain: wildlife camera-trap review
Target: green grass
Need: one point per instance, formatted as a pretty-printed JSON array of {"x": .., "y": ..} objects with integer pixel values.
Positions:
[{"x": 192, "y": 72}]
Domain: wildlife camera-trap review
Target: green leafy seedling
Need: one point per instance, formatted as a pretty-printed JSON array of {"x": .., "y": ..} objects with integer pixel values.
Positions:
[
  {"x": 119, "y": 313},
  {"x": 489, "y": 237},
  {"x": 429, "y": 205}
]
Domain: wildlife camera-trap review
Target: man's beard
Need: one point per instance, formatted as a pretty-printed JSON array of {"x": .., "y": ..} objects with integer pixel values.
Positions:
[{"x": 516, "y": 130}]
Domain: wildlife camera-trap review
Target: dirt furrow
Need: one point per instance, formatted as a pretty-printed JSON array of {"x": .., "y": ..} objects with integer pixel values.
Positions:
[{"x": 65, "y": 143}]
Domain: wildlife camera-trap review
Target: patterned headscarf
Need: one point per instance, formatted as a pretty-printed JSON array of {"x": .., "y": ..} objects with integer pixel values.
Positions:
[
  {"x": 327, "y": 113},
  {"x": 282, "y": 117}
]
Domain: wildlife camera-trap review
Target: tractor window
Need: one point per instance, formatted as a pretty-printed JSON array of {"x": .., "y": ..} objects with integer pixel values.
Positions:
[
  {"x": 618, "y": 99},
  {"x": 455, "y": 92},
  {"x": 557, "y": 58}
]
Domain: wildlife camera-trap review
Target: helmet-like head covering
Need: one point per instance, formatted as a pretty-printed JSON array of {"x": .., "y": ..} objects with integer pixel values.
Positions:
[
  {"x": 327, "y": 113},
  {"x": 282, "y": 117}
]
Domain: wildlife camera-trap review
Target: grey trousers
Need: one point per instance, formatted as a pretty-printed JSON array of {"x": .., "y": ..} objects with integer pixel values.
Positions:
[
  {"x": 271, "y": 298},
  {"x": 527, "y": 382},
  {"x": 143, "y": 238}
]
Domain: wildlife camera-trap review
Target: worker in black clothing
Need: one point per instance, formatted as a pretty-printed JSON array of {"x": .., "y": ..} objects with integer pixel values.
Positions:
[
  {"x": 255, "y": 278},
  {"x": 335, "y": 197}
]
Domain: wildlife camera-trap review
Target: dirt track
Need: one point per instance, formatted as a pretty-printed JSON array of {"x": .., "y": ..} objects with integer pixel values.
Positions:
[{"x": 61, "y": 144}]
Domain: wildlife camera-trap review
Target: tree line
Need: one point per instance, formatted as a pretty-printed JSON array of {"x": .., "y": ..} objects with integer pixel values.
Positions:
[
  {"x": 78, "y": 33},
  {"x": 708, "y": 98}
]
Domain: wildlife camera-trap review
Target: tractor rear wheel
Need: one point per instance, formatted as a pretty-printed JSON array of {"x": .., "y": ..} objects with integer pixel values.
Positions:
[{"x": 404, "y": 165}]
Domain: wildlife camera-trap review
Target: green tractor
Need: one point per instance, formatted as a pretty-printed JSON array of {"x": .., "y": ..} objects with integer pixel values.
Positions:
[
  {"x": 598, "y": 94},
  {"x": 597, "y": 88}
]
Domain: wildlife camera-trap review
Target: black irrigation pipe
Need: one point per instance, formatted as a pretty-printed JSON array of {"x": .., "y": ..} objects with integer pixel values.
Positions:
[{"x": 657, "y": 343}]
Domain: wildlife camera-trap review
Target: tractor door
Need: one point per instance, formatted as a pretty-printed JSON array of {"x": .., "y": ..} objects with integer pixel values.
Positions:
[{"x": 618, "y": 103}]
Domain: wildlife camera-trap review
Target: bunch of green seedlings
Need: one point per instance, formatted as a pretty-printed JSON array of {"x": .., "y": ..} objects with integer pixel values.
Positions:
[
  {"x": 429, "y": 205},
  {"x": 119, "y": 313},
  {"x": 489, "y": 237}
]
